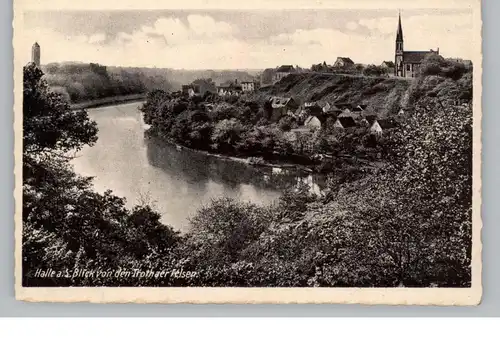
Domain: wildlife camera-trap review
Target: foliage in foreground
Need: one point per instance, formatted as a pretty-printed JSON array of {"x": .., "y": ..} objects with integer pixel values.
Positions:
[{"x": 406, "y": 225}]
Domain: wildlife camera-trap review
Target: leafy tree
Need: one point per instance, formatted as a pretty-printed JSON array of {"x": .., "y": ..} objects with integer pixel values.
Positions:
[
  {"x": 226, "y": 134},
  {"x": 48, "y": 122}
]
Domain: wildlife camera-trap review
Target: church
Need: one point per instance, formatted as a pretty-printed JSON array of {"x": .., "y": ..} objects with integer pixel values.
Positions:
[{"x": 407, "y": 63}]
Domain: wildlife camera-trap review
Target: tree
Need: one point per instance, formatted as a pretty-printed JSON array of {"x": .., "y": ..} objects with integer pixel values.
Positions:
[
  {"x": 49, "y": 124},
  {"x": 226, "y": 134}
]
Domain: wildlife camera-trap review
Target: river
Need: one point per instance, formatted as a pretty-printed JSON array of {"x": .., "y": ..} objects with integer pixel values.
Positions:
[{"x": 176, "y": 182}]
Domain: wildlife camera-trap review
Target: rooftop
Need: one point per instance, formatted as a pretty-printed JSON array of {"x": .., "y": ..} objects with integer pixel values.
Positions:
[
  {"x": 285, "y": 69},
  {"x": 416, "y": 56}
]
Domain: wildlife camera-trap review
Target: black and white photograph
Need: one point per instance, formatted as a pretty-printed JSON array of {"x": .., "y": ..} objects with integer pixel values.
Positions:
[{"x": 284, "y": 154}]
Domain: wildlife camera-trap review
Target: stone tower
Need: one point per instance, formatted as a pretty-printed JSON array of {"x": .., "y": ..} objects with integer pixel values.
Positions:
[
  {"x": 35, "y": 54},
  {"x": 398, "y": 62}
]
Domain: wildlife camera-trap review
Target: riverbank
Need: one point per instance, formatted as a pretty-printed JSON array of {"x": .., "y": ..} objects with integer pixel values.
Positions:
[
  {"x": 109, "y": 101},
  {"x": 249, "y": 160}
]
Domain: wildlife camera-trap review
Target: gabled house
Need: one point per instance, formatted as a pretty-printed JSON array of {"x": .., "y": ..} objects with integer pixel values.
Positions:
[
  {"x": 343, "y": 62},
  {"x": 344, "y": 122},
  {"x": 282, "y": 72},
  {"x": 249, "y": 86},
  {"x": 226, "y": 89},
  {"x": 368, "y": 119},
  {"x": 387, "y": 64},
  {"x": 313, "y": 122},
  {"x": 281, "y": 106},
  {"x": 379, "y": 126}
]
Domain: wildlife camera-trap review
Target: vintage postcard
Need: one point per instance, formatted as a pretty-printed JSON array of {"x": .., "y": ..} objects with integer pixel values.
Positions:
[{"x": 248, "y": 152}]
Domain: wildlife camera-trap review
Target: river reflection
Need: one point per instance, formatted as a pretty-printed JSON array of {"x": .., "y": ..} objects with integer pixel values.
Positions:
[{"x": 176, "y": 181}]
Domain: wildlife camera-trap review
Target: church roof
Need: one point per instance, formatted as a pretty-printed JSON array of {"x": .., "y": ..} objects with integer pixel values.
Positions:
[{"x": 415, "y": 56}]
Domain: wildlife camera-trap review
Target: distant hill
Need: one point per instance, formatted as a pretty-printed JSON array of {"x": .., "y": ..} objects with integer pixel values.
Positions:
[
  {"x": 179, "y": 77},
  {"x": 79, "y": 81}
]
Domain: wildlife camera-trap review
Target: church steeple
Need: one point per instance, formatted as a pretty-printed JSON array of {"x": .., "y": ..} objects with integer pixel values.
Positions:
[
  {"x": 399, "y": 36},
  {"x": 398, "y": 57}
]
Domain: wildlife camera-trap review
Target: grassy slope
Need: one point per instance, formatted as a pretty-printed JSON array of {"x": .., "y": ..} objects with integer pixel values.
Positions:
[{"x": 382, "y": 95}]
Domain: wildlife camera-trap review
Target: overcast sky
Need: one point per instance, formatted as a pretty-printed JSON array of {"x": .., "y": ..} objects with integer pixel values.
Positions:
[{"x": 218, "y": 39}]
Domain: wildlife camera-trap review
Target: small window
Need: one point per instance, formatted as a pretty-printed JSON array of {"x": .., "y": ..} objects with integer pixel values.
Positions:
[{"x": 408, "y": 67}]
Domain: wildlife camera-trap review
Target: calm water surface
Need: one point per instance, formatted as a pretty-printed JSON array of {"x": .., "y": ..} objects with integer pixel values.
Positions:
[{"x": 176, "y": 182}]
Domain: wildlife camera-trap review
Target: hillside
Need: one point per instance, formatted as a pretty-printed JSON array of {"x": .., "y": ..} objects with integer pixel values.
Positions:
[{"x": 382, "y": 95}]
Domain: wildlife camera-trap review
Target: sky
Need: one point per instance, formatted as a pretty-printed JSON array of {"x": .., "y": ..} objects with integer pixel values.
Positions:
[{"x": 241, "y": 39}]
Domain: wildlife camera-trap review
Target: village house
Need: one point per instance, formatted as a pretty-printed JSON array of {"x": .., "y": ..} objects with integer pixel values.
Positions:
[
  {"x": 228, "y": 89},
  {"x": 282, "y": 106},
  {"x": 367, "y": 119},
  {"x": 387, "y": 65},
  {"x": 343, "y": 62},
  {"x": 379, "y": 126},
  {"x": 344, "y": 122},
  {"x": 189, "y": 90},
  {"x": 350, "y": 117},
  {"x": 249, "y": 86},
  {"x": 330, "y": 109},
  {"x": 320, "y": 110},
  {"x": 407, "y": 63},
  {"x": 202, "y": 86},
  {"x": 283, "y": 71},
  {"x": 313, "y": 122}
]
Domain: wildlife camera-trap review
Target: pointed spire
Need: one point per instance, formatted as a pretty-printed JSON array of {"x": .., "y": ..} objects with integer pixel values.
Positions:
[{"x": 399, "y": 36}]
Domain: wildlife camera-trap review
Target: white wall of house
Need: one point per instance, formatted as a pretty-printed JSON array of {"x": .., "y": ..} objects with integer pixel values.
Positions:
[
  {"x": 248, "y": 86},
  {"x": 375, "y": 128},
  {"x": 313, "y": 122},
  {"x": 337, "y": 124}
]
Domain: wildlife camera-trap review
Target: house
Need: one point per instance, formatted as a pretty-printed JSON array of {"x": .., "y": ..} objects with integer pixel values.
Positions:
[
  {"x": 368, "y": 119},
  {"x": 379, "y": 126},
  {"x": 343, "y": 62},
  {"x": 188, "y": 90},
  {"x": 387, "y": 65},
  {"x": 281, "y": 106},
  {"x": 313, "y": 122},
  {"x": 344, "y": 122},
  {"x": 355, "y": 115},
  {"x": 282, "y": 72},
  {"x": 249, "y": 86},
  {"x": 202, "y": 86},
  {"x": 407, "y": 63},
  {"x": 330, "y": 108},
  {"x": 230, "y": 88}
]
